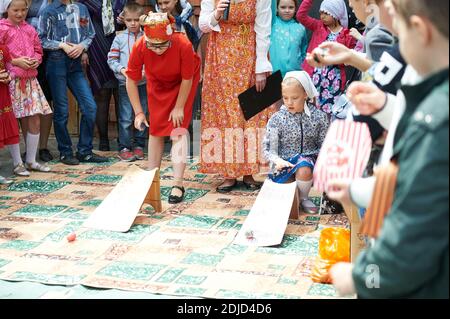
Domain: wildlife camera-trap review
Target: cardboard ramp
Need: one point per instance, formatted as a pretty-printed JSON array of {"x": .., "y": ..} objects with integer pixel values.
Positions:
[
  {"x": 267, "y": 221},
  {"x": 118, "y": 210}
]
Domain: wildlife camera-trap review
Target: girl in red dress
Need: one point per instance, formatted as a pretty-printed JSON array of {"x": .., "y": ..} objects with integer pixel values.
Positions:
[
  {"x": 9, "y": 130},
  {"x": 172, "y": 69}
]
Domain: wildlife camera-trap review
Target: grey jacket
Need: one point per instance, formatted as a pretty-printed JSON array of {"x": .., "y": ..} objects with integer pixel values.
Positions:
[
  {"x": 119, "y": 54},
  {"x": 377, "y": 40}
]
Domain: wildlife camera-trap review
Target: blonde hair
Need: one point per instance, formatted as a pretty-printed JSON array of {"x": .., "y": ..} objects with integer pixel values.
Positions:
[
  {"x": 294, "y": 81},
  {"x": 291, "y": 81}
]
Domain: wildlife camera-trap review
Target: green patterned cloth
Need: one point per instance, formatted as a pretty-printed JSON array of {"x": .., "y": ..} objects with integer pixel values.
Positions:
[{"x": 185, "y": 250}]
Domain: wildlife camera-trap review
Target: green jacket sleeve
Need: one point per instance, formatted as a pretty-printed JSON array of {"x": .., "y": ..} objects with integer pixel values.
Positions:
[{"x": 413, "y": 243}]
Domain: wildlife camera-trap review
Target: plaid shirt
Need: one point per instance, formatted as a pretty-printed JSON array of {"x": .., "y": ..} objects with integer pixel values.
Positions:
[{"x": 65, "y": 23}]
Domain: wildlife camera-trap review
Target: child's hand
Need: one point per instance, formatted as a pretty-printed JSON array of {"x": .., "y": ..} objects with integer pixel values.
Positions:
[
  {"x": 140, "y": 121},
  {"x": 124, "y": 73},
  {"x": 177, "y": 116},
  {"x": 84, "y": 60},
  {"x": 281, "y": 163},
  {"x": 34, "y": 63},
  {"x": 261, "y": 79},
  {"x": 23, "y": 63},
  {"x": 120, "y": 19},
  {"x": 339, "y": 190},
  {"x": 76, "y": 51},
  {"x": 221, "y": 6},
  {"x": 341, "y": 276},
  {"x": 5, "y": 78},
  {"x": 366, "y": 97},
  {"x": 355, "y": 33},
  {"x": 66, "y": 47},
  {"x": 329, "y": 53}
]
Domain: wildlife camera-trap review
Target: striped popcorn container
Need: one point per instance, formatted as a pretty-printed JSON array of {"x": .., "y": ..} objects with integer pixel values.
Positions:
[{"x": 344, "y": 154}]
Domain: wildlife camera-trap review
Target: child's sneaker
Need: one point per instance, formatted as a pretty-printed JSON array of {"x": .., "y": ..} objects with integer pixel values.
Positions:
[
  {"x": 37, "y": 167},
  {"x": 20, "y": 170},
  {"x": 138, "y": 153},
  {"x": 309, "y": 207},
  {"x": 5, "y": 181},
  {"x": 126, "y": 155}
]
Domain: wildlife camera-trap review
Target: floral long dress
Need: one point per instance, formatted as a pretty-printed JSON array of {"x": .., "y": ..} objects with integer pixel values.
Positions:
[
  {"x": 231, "y": 146},
  {"x": 328, "y": 82}
]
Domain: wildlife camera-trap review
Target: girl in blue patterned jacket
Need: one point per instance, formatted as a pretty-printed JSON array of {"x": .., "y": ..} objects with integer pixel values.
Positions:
[{"x": 294, "y": 136}]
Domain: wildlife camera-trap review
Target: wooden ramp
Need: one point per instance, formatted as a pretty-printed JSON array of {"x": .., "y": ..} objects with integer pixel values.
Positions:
[
  {"x": 268, "y": 218},
  {"x": 120, "y": 208}
]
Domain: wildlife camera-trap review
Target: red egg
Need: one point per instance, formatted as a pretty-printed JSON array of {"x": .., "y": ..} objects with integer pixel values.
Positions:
[{"x": 71, "y": 237}]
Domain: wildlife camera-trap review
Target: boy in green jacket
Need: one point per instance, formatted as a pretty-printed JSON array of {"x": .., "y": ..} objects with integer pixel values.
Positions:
[{"x": 410, "y": 258}]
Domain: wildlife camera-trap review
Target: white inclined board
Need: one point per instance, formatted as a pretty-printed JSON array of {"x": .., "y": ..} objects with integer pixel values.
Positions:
[
  {"x": 118, "y": 210},
  {"x": 269, "y": 215}
]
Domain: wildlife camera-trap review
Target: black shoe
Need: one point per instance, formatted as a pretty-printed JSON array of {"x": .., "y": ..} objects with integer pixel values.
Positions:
[
  {"x": 92, "y": 158},
  {"x": 252, "y": 185},
  {"x": 226, "y": 189},
  {"x": 69, "y": 160},
  {"x": 45, "y": 155},
  {"x": 176, "y": 199}
]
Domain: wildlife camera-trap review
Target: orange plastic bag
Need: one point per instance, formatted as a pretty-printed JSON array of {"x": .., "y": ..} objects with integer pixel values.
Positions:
[
  {"x": 320, "y": 270},
  {"x": 334, "y": 244},
  {"x": 334, "y": 247}
]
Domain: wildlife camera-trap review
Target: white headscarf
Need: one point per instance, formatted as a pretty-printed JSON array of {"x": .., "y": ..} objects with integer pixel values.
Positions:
[
  {"x": 337, "y": 9},
  {"x": 4, "y": 4},
  {"x": 307, "y": 84}
]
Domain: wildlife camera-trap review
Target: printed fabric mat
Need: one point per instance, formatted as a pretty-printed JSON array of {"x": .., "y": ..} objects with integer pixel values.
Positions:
[{"x": 185, "y": 250}]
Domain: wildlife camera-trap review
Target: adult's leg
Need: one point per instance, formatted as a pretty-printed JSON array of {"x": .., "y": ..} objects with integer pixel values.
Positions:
[
  {"x": 178, "y": 155},
  {"x": 155, "y": 151},
  {"x": 141, "y": 136},
  {"x": 102, "y": 99},
  {"x": 46, "y": 126}
]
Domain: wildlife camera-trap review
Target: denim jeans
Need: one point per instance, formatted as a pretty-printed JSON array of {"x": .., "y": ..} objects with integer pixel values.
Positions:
[
  {"x": 62, "y": 73},
  {"x": 126, "y": 119}
]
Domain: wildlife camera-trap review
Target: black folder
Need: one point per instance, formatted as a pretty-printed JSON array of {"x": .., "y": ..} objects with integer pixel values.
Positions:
[{"x": 253, "y": 102}]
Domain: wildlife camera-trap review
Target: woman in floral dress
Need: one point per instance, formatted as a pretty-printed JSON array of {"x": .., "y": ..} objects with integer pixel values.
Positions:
[{"x": 236, "y": 59}]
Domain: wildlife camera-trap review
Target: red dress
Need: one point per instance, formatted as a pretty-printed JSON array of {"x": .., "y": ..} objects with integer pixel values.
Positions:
[
  {"x": 164, "y": 75},
  {"x": 9, "y": 130}
]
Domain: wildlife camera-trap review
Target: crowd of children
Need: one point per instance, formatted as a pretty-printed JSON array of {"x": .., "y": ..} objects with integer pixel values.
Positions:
[
  {"x": 157, "y": 69},
  {"x": 65, "y": 48}
]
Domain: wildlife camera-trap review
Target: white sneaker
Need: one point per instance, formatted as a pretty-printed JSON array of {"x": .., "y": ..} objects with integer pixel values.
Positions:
[
  {"x": 37, "y": 167},
  {"x": 20, "y": 170},
  {"x": 5, "y": 181},
  {"x": 309, "y": 207}
]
